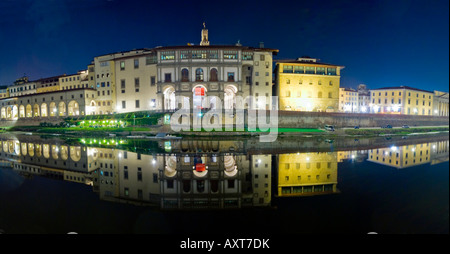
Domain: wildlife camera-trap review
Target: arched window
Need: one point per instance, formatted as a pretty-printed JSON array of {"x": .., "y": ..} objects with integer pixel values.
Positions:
[
  {"x": 199, "y": 74},
  {"x": 213, "y": 75},
  {"x": 184, "y": 75}
]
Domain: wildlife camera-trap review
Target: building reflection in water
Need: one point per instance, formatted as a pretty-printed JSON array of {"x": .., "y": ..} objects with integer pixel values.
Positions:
[
  {"x": 410, "y": 155},
  {"x": 307, "y": 173},
  {"x": 201, "y": 174}
]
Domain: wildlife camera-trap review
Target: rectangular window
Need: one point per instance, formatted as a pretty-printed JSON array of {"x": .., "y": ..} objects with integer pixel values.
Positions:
[
  {"x": 199, "y": 54},
  {"x": 230, "y": 76},
  {"x": 139, "y": 174},
  {"x": 122, "y": 66},
  {"x": 125, "y": 173},
  {"x": 331, "y": 71},
  {"x": 320, "y": 70},
  {"x": 288, "y": 69},
  {"x": 136, "y": 63},
  {"x": 168, "y": 77},
  {"x": 122, "y": 83},
  {"x": 136, "y": 85},
  {"x": 310, "y": 70},
  {"x": 150, "y": 59},
  {"x": 124, "y": 104},
  {"x": 185, "y": 54},
  {"x": 152, "y": 80},
  {"x": 168, "y": 55},
  {"x": 247, "y": 56},
  {"x": 213, "y": 54},
  {"x": 299, "y": 69},
  {"x": 230, "y": 55},
  {"x": 137, "y": 104}
]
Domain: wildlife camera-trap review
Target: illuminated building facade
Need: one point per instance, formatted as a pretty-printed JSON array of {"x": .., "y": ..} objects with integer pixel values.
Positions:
[
  {"x": 348, "y": 100},
  {"x": 223, "y": 71},
  {"x": 207, "y": 75},
  {"x": 50, "y": 104},
  {"x": 363, "y": 99},
  {"x": 135, "y": 81},
  {"x": 22, "y": 86},
  {"x": 74, "y": 81},
  {"x": 307, "y": 85},
  {"x": 440, "y": 104},
  {"x": 4, "y": 92},
  {"x": 45, "y": 85},
  {"x": 401, "y": 100},
  {"x": 105, "y": 84}
]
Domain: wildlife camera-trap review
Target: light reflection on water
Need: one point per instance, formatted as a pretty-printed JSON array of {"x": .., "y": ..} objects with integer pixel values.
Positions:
[{"x": 227, "y": 175}]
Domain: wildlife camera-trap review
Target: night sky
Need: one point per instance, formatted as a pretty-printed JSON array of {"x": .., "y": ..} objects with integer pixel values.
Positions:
[{"x": 380, "y": 43}]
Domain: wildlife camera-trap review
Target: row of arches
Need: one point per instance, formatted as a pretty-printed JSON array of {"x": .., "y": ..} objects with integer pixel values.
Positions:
[
  {"x": 199, "y": 75},
  {"x": 13, "y": 112},
  {"x": 230, "y": 166},
  {"x": 56, "y": 152},
  {"x": 199, "y": 93}
]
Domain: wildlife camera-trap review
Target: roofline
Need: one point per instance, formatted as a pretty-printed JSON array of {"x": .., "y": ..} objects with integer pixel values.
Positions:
[
  {"x": 57, "y": 91},
  {"x": 215, "y": 46},
  {"x": 294, "y": 61},
  {"x": 402, "y": 87}
]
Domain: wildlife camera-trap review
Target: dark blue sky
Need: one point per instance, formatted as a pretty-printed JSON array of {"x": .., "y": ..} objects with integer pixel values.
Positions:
[{"x": 380, "y": 42}]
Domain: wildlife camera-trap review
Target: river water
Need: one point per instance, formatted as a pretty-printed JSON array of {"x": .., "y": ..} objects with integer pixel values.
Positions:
[{"x": 55, "y": 185}]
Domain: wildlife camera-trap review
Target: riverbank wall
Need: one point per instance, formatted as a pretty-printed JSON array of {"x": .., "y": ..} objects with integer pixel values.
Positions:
[{"x": 291, "y": 119}]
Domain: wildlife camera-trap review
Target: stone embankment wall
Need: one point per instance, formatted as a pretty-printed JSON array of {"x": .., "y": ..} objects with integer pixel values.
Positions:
[
  {"x": 288, "y": 119},
  {"x": 293, "y": 119},
  {"x": 32, "y": 121}
]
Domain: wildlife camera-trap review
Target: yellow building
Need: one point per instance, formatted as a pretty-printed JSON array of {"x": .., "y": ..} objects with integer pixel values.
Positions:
[
  {"x": 307, "y": 173},
  {"x": 401, "y": 100},
  {"x": 45, "y": 85},
  {"x": 307, "y": 85},
  {"x": 74, "y": 81}
]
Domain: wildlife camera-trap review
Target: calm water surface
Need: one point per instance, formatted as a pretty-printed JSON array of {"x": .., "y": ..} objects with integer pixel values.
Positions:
[{"x": 191, "y": 186}]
